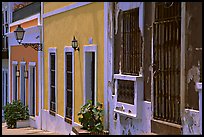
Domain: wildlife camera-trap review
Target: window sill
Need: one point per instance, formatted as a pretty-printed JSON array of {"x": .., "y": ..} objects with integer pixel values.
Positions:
[
  {"x": 126, "y": 77},
  {"x": 52, "y": 113},
  {"x": 125, "y": 113},
  {"x": 68, "y": 120}
]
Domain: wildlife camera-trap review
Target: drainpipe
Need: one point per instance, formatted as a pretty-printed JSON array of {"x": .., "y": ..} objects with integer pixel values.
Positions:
[{"x": 183, "y": 43}]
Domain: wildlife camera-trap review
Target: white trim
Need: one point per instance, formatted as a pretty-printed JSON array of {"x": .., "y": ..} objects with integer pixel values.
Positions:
[
  {"x": 199, "y": 86},
  {"x": 42, "y": 66},
  {"x": 106, "y": 66},
  {"x": 66, "y": 8},
  {"x": 14, "y": 63},
  {"x": 90, "y": 48},
  {"x": 25, "y": 20},
  {"x": 32, "y": 65},
  {"x": 9, "y": 74},
  {"x": 138, "y": 96},
  {"x": 52, "y": 50},
  {"x": 126, "y": 77},
  {"x": 68, "y": 49},
  {"x": 152, "y": 60},
  {"x": 23, "y": 64}
]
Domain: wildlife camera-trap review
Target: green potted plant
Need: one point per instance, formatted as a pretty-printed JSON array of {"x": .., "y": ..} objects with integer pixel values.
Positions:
[
  {"x": 90, "y": 119},
  {"x": 15, "y": 112}
]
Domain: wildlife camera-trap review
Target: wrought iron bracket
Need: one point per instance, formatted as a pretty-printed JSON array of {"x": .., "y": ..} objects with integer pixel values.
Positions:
[{"x": 36, "y": 46}]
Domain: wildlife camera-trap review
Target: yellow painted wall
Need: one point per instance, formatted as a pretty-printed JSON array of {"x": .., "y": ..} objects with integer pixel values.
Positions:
[
  {"x": 83, "y": 22},
  {"x": 50, "y": 6}
]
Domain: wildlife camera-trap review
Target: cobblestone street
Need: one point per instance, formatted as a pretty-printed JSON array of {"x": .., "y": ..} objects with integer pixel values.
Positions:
[{"x": 24, "y": 131}]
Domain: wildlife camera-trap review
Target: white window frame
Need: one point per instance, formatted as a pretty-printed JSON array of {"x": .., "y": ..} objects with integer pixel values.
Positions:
[
  {"x": 32, "y": 65},
  {"x": 52, "y": 50},
  {"x": 22, "y": 64},
  {"x": 14, "y": 63},
  {"x": 90, "y": 48},
  {"x": 68, "y": 49},
  {"x": 138, "y": 95}
]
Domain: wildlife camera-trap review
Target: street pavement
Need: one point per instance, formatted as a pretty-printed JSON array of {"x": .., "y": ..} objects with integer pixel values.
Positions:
[{"x": 24, "y": 131}]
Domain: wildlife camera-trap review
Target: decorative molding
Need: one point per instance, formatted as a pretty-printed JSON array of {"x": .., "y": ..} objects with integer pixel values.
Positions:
[{"x": 64, "y": 9}]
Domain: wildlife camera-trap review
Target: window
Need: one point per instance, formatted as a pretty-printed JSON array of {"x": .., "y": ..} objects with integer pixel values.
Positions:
[
  {"x": 90, "y": 73},
  {"x": 52, "y": 75},
  {"x": 2, "y": 17},
  {"x": 22, "y": 83},
  {"x": 32, "y": 88},
  {"x": 6, "y": 42},
  {"x": 69, "y": 84},
  {"x": 128, "y": 61},
  {"x": 15, "y": 80},
  {"x": 6, "y": 17},
  {"x": 127, "y": 46},
  {"x": 126, "y": 91},
  {"x": 52, "y": 81}
]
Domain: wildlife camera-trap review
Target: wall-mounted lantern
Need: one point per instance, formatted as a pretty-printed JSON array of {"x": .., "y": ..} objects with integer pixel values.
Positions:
[
  {"x": 18, "y": 73},
  {"x": 19, "y": 33},
  {"x": 75, "y": 44},
  {"x": 26, "y": 74}
]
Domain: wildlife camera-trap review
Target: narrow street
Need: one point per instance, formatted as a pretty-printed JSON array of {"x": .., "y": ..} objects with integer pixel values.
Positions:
[{"x": 24, "y": 131}]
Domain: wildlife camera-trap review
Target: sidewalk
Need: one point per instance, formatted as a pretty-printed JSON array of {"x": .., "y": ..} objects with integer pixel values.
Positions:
[{"x": 25, "y": 131}]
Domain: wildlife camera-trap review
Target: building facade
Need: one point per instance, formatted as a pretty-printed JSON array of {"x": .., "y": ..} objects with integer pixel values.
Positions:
[
  {"x": 142, "y": 61},
  {"x": 6, "y": 19},
  {"x": 152, "y": 45},
  {"x": 24, "y": 60},
  {"x": 71, "y": 77}
]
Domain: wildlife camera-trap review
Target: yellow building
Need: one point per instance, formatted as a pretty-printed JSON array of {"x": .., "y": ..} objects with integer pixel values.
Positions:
[{"x": 71, "y": 77}]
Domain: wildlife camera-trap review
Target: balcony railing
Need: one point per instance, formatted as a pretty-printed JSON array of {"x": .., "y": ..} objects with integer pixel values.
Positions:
[{"x": 26, "y": 11}]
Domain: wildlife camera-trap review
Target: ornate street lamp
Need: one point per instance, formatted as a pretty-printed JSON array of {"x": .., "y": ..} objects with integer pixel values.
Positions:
[
  {"x": 19, "y": 33},
  {"x": 75, "y": 44}
]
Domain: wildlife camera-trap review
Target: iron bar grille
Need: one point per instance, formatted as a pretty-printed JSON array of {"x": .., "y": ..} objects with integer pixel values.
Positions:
[
  {"x": 166, "y": 52},
  {"x": 128, "y": 43},
  {"x": 69, "y": 85},
  {"x": 52, "y": 82},
  {"x": 125, "y": 91}
]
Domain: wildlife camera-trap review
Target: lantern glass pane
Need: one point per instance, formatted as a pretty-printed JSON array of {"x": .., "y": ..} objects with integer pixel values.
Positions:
[{"x": 19, "y": 35}]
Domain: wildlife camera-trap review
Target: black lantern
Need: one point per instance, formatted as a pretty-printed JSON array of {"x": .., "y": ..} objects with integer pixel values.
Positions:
[
  {"x": 19, "y": 32},
  {"x": 75, "y": 44}
]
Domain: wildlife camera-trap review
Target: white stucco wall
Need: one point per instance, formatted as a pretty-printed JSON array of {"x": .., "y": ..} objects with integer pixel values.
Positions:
[
  {"x": 55, "y": 123},
  {"x": 130, "y": 126},
  {"x": 191, "y": 122}
]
